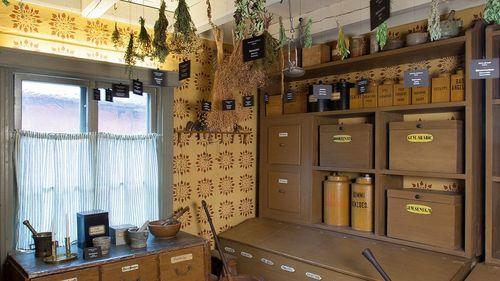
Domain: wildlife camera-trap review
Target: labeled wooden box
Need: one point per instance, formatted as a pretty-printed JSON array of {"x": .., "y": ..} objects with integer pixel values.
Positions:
[
  {"x": 441, "y": 89},
  {"x": 297, "y": 104},
  {"x": 284, "y": 145},
  {"x": 385, "y": 93},
  {"x": 91, "y": 224},
  {"x": 346, "y": 146},
  {"x": 315, "y": 55},
  {"x": 402, "y": 95},
  {"x": 431, "y": 146},
  {"x": 429, "y": 217},
  {"x": 457, "y": 86},
  {"x": 355, "y": 99},
  {"x": 371, "y": 96},
  {"x": 420, "y": 95},
  {"x": 274, "y": 105},
  {"x": 284, "y": 191}
]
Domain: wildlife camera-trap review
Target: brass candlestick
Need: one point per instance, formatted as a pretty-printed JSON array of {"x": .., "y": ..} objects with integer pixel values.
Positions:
[{"x": 67, "y": 256}]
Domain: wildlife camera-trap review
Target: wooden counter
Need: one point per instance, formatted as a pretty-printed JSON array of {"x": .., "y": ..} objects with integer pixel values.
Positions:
[
  {"x": 185, "y": 257},
  {"x": 483, "y": 272},
  {"x": 264, "y": 246}
]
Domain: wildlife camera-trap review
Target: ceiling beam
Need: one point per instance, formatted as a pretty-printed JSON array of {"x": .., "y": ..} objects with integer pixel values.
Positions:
[{"x": 96, "y": 8}]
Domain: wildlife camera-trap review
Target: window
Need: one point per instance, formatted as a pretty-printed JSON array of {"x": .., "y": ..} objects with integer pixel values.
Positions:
[{"x": 66, "y": 164}]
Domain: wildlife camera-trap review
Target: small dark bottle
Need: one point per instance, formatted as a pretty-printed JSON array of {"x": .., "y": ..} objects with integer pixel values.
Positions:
[{"x": 340, "y": 98}]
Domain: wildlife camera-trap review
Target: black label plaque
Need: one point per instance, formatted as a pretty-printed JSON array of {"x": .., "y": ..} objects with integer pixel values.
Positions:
[
  {"x": 97, "y": 94},
  {"x": 158, "y": 77},
  {"x": 228, "y": 104},
  {"x": 137, "y": 87},
  {"x": 362, "y": 86},
  {"x": 485, "y": 69},
  {"x": 121, "y": 91},
  {"x": 109, "y": 95},
  {"x": 254, "y": 48},
  {"x": 289, "y": 96},
  {"x": 248, "y": 101},
  {"x": 266, "y": 98},
  {"x": 90, "y": 253},
  {"x": 322, "y": 91},
  {"x": 206, "y": 106},
  {"x": 184, "y": 70},
  {"x": 416, "y": 78},
  {"x": 380, "y": 11}
]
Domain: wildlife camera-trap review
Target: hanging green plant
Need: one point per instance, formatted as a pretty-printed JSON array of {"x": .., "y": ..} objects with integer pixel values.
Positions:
[
  {"x": 342, "y": 43},
  {"x": 160, "y": 47},
  {"x": 308, "y": 34},
  {"x": 116, "y": 37},
  {"x": 6, "y": 2},
  {"x": 130, "y": 55},
  {"x": 143, "y": 41},
  {"x": 434, "y": 21},
  {"x": 382, "y": 35},
  {"x": 183, "y": 40},
  {"x": 283, "y": 40},
  {"x": 240, "y": 15},
  {"x": 257, "y": 17},
  {"x": 492, "y": 11}
]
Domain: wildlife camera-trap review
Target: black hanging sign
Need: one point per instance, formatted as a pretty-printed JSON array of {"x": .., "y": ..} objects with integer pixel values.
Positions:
[
  {"x": 289, "y": 96},
  {"x": 254, "y": 48},
  {"x": 248, "y": 101},
  {"x": 416, "y": 78},
  {"x": 380, "y": 11},
  {"x": 322, "y": 91},
  {"x": 266, "y": 98},
  {"x": 137, "y": 87},
  {"x": 362, "y": 86},
  {"x": 228, "y": 105},
  {"x": 206, "y": 106},
  {"x": 91, "y": 253},
  {"x": 485, "y": 69},
  {"x": 121, "y": 90},
  {"x": 97, "y": 94},
  {"x": 184, "y": 70},
  {"x": 159, "y": 78},
  {"x": 109, "y": 95}
]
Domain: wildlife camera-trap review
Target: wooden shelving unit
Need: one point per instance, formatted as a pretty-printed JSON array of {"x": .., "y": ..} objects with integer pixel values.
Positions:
[
  {"x": 309, "y": 194},
  {"x": 493, "y": 152}
]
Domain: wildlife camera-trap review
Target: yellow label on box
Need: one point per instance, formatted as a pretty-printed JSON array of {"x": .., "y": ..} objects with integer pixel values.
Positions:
[
  {"x": 418, "y": 209},
  {"x": 420, "y": 138},
  {"x": 342, "y": 138}
]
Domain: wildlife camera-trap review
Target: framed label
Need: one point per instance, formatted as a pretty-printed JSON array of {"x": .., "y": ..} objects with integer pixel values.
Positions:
[
  {"x": 121, "y": 91},
  {"x": 313, "y": 276},
  {"x": 229, "y": 250},
  {"x": 342, "y": 138},
  {"x": 283, "y": 135},
  {"x": 248, "y": 101},
  {"x": 282, "y": 181},
  {"x": 97, "y": 94},
  {"x": 322, "y": 92},
  {"x": 254, "y": 48},
  {"x": 416, "y": 78},
  {"x": 90, "y": 253},
  {"x": 362, "y": 85},
  {"x": 97, "y": 230},
  {"x": 71, "y": 279},
  {"x": 158, "y": 77},
  {"x": 206, "y": 106},
  {"x": 228, "y": 104},
  {"x": 380, "y": 11},
  {"x": 418, "y": 209},
  {"x": 129, "y": 268},
  {"x": 184, "y": 70},
  {"x": 137, "y": 87},
  {"x": 109, "y": 95},
  {"x": 485, "y": 69},
  {"x": 267, "y": 261},
  {"x": 287, "y": 268}
]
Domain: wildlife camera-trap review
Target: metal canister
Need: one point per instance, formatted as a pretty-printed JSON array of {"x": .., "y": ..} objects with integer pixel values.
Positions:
[
  {"x": 43, "y": 244},
  {"x": 316, "y": 104},
  {"x": 336, "y": 198},
  {"x": 340, "y": 99},
  {"x": 362, "y": 204}
]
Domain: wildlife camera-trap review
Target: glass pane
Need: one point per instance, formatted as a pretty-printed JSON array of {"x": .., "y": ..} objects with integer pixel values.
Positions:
[
  {"x": 124, "y": 116},
  {"x": 51, "y": 108}
]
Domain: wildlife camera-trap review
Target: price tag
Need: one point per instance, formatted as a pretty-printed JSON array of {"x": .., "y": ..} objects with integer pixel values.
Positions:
[
  {"x": 121, "y": 91},
  {"x": 158, "y": 77},
  {"x": 485, "y": 69},
  {"x": 184, "y": 70},
  {"x": 228, "y": 105},
  {"x": 362, "y": 86},
  {"x": 97, "y": 94},
  {"x": 137, "y": 87},
  {"x": 380, "y": 11},
  {"x": 254, "y": 48},
  {"x": 416, "y": 78},
  {"x": 248, "y": 101}
]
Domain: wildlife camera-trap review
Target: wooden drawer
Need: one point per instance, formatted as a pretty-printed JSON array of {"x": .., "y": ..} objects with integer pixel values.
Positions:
[
  {"x": 138, "y": 269},
  {"x": 91, "y": 274},
  {"x": 183, "y": 265},
  {"x": 284, "y": 145},
  {"x": 284, "y": 191}
]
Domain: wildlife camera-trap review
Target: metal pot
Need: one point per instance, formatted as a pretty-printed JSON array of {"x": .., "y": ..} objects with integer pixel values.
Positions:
[
  {"x": 451, "y": 26},
  {"x": 43, "y": 244}
]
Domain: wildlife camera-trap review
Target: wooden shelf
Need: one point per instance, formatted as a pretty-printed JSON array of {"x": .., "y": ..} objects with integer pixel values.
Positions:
[
  {"x": 348, "y": 170},
  {"x": 424, "y": 174},
  {"x": 427, "y": 51},
  {"x": 425, "y": 108},
  {"x": 346, "y": 113}
]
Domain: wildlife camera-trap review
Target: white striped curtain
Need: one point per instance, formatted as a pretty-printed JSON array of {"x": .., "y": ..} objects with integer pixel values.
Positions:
[{"x": 59, "y": 174}]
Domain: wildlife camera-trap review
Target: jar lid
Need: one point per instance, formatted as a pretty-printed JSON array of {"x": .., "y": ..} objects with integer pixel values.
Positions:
[
  {"x": 336, "y": 177},
  {"x": 366, "y": 179}
]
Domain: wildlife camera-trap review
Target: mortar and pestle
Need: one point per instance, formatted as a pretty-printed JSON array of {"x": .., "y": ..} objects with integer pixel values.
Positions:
[
  {"x": 138, "y": 237},
  {"x": 43, "y": 241},
  {"x": 169, "y": 227}
]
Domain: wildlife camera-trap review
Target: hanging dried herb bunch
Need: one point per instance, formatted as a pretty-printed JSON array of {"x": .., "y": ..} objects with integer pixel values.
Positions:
[
  {"x": 434, "y": 21},
  {"x": 492, "y": 11},
  {"x": 342, "y": 43},
  {"x": 183, "y": 40},
  {"x": 143, "y": 41},
  {"x": 6, "y": 2},
  {"x": 382, "y": 35},
  {"x": 130, "y": 54},
  {"x": 160, "y": 47},
  {"x": 307, "y": 40},
  {"x": 283, "y": 40},
  {"x": 116, "y": 37}
]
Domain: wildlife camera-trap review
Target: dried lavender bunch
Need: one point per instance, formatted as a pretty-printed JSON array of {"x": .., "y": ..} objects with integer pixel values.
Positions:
[
  {"x": 130, "y": 54},
  {"x": 116, "y": 38}
]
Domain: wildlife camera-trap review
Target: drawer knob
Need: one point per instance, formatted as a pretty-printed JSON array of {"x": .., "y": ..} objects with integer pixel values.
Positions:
[
  {"x": 281, "y": 144},
  {"x": 183, "y": 273},
  {"x": 281, "y": 191},
  {"x": 420, "y": 126},
  {"x": 417, "y": 196}
]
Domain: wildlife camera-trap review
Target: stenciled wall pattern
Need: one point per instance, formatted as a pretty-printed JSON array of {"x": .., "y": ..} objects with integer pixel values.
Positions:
[{"x": 218, "y": 169}]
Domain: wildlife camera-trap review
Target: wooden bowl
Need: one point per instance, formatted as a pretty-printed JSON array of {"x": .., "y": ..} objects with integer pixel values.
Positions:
[{"x": 164, "y": 231}]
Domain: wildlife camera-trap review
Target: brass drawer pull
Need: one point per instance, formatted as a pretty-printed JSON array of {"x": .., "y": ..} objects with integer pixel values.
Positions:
[
  {"x": 183, "y": 273},
  {"x": 281, "y": 191}
]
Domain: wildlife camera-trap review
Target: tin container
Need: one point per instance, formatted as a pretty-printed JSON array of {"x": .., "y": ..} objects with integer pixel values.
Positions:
[
  {"x": 362, "y": 204},
  {"x": 315, "y": 104},
  {"x": 340, "y": 98},
  {"x": 137, "y": 239},
  {"x": 336, "y": 200},
  {"x": 104, "y": 242}
]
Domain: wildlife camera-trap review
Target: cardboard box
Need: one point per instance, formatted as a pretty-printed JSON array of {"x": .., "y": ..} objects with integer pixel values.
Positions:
[{"x": 441, "y": 88}]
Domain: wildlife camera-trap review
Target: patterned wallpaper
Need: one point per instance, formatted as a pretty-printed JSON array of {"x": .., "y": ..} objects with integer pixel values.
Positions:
[{"x": 219, "y": 169}]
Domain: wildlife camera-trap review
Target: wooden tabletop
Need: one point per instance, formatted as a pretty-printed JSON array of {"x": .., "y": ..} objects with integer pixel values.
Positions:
[
  {"x": 36, "y": 267},
  {"x": 483, "y": 272},
  {"x": 342, "y": 253}
]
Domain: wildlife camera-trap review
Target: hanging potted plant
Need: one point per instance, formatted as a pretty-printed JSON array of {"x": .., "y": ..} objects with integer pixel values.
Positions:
[
  {"x": 183, "y": 40},
  {"x": 160, "y": 47}
]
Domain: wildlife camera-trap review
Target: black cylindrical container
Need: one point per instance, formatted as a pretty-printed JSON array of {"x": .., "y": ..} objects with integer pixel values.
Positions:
[
  {"x": 317, "y": 105},
  {"x": 340, "y": 98}
]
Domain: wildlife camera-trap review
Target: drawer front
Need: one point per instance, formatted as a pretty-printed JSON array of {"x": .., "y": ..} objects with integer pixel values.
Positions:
[
  {"x": 284, "y": 191},
  {"x": 274, "y": 267},
  {"x": 139, "y": 269},
  {"x": 91, "y": 274},
  {"x": 183, "y": 265},
  {"x": 284, "y": 145}
]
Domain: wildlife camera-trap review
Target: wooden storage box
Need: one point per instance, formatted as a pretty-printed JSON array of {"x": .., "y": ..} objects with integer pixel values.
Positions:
[
  {"x": 429, "y": 217},
  {"x": 298, "y": 104},
  {"x": 432, "y": 146},
  {"x": 385, "y": 93},
  {"x": 402, "y": 95},
  {"x": 144, "y": 269},
  {"x": 371, "y": 96},
  {"x": 346, "y": 146},
  {"x": 441, "y": 88},
  {"x": 420, "y": 95},
  {"x": 316, "y": 54},
  {"x": 284, "y": 145},
  {"x": 182, "y": 265},
  {"x": 457, "y": 86},
  {"x": 274, "y": 105},
  {"x": 355, "y": 99}
]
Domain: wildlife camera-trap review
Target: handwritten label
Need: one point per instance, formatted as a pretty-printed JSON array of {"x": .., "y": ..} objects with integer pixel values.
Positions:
[
  {"x": 287, "y": 268},
  {"x": 254, "y": 48},
  {"x": 229, "y": 250},
  {"x": 121, "y": 91},
  {"x": 248, "y": 101},
  {"x": 321, "y": 91},
  {"x": 283, "y": 135},
  {"x": 92, "y": 253},
  {"x": 246, "y": 255},
  {"x": 266, "y": 261},
  {"x": 362, "y": 86},
  {"x": 380, "y": 11},
  {"x": 181, "y": 258},
  {"x": 97, "y": 230},
  {"x": 313, "y": 276},
  {"x": 416, "y": 78},
  {"x": 485, "y": 69},
  {"x": 419, "y": 209},
  {"x": 228, "y": 105},
  {"x": 130, "y": 268},
  {"x": 420, "y": 138},
  {"x": 282, "y": 181},
  {"x": 342, "y": 138},
  {"x": 158, "y": 77}
]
